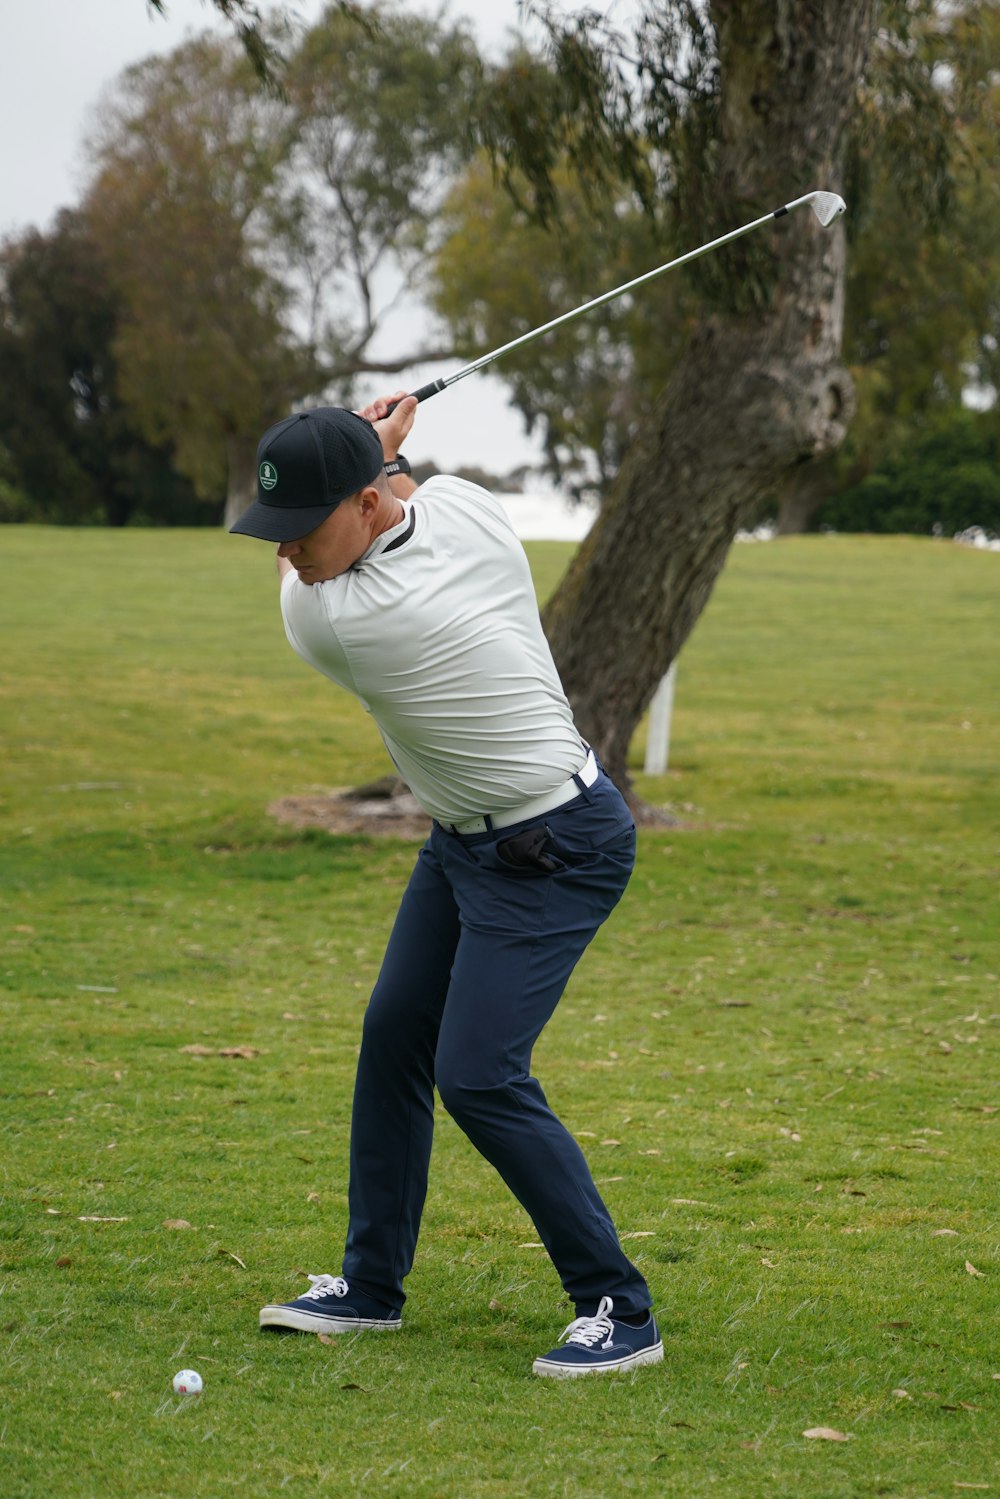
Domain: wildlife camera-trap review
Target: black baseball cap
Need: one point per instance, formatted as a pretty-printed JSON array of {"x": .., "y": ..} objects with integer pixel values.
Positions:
[{"x": 307, "y": 464}]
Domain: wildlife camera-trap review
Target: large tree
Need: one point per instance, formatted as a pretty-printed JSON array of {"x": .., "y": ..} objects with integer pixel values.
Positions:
[
  {"x": 921, "y": 148},
  {"x": 759, "y": 386}
]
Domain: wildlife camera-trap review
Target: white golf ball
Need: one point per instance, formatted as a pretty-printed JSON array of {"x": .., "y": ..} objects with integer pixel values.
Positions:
[{"x": 187, "y": 1382}]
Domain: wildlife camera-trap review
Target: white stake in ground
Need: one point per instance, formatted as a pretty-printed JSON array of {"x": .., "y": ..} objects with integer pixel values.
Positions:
[
  {"x": 826, "y": 207},
  {"x": 661, "y": 712}
]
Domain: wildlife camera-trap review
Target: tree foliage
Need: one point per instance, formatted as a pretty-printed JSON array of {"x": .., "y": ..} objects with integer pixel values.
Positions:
[
  {"x": 920, "y": 152},
  {"x": 379, "y": 124},
  {"x": 186, "y": 161},
  {"x": 943, "y": 480},
  {"x": 587, "y": 387},
  {"x": 72, "y": 452},
  {"x": 923, "y": 288},
  {"x": 247, "y": 23},
  {"x": 258, "y": 239},
  {"x": 262, "y": 49}
]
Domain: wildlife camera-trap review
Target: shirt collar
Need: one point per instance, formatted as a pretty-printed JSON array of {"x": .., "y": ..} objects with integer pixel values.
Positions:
[{"x": 396, "y": 536}]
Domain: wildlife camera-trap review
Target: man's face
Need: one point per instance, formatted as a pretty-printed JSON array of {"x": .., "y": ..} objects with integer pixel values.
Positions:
[{"x": 336, "y": 543}]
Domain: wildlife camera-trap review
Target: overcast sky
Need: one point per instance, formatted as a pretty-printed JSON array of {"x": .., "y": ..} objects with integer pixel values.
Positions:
[{"x": 60, "y": 54}]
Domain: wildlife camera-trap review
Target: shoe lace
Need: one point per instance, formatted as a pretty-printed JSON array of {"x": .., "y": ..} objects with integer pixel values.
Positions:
[
  {"x": 326, "y": 1285},
  {"x": 586, "y": 1331}
]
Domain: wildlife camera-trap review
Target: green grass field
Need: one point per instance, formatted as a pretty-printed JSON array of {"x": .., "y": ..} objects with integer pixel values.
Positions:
[{"x": 780, "y": 1056}]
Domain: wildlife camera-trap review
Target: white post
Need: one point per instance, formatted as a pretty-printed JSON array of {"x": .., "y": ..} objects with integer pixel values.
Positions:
[{"x": 658, "y": 737}]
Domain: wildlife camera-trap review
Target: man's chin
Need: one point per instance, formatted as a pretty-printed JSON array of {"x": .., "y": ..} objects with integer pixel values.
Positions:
[{"x": 312, "y": 575}]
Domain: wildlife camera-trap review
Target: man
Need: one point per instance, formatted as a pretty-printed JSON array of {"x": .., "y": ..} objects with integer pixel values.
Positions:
[{"x": 420, "y": 602}]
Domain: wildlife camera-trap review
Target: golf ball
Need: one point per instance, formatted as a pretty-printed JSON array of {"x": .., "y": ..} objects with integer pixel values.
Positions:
[{"x": 187, "y": 1382}]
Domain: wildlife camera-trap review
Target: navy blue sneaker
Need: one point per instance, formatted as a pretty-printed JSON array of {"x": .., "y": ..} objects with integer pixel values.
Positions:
[
  {"x": 600, "y": 1345},
  {"x": 330, "y": 1306}
]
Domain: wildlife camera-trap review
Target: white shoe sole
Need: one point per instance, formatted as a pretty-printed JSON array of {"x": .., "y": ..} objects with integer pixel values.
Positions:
[
  {"x": 298, "y": 1321},
  {"x": 551, "y": 1370}
]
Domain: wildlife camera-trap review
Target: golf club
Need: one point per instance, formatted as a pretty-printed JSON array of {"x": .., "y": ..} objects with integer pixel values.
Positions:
[{"x": 826, "y": 207}]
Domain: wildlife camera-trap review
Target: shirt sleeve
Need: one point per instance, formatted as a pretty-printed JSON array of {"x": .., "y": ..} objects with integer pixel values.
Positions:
[
  {"x": 310, "y": 629},
  {"x": 289, "y": 584}
]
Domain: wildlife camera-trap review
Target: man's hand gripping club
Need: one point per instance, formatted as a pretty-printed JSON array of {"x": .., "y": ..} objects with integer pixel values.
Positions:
[{"x": 392, "y": 417}]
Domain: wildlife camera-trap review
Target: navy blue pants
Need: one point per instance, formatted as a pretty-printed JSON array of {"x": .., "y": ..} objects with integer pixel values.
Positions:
[{"x": 476, "y": 963}]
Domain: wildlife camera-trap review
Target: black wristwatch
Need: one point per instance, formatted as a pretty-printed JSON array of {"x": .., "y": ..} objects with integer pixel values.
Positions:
[{"x": 397, "y": 465}]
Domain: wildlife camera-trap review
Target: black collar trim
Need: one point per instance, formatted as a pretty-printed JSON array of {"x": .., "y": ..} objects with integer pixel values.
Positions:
[{"x": 402, "y": 540}]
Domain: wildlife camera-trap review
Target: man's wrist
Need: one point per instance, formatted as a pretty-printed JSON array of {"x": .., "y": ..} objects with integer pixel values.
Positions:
[{"x": 397, "y": 465}]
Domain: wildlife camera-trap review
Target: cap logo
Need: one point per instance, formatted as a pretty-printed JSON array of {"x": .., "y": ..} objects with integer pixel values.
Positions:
[{"x": 268, "y": 475}]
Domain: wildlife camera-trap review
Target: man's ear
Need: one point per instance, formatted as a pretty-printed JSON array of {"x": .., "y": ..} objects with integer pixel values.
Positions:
[{"x": 369, "y": 500}]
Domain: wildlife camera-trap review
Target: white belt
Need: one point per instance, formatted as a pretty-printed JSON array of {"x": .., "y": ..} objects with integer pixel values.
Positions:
[{"x": 537, "y": 807}]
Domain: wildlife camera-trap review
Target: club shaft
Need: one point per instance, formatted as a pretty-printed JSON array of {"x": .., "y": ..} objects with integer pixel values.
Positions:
[{"x": 609, "y": 296}]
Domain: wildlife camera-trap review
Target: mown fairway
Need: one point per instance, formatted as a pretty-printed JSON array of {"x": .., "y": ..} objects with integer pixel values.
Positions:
[{"x": 781, "y": 1056}]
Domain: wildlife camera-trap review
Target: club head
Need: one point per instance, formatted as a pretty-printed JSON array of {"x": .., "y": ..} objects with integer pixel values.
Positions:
[{"x": 827, "y": 207}]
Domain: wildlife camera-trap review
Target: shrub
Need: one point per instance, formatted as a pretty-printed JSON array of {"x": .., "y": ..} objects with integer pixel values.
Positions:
[{"x": 947, "y": 479}]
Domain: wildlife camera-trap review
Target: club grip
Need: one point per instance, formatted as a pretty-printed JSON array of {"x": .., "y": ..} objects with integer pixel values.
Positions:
[{"x": 423, "y": 394}]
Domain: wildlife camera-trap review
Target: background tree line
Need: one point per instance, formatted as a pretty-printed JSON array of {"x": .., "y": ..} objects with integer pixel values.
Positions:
[{"x": 238, "y": 249}]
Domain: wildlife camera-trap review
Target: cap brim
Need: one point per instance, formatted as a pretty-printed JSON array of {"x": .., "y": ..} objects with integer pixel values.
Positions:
[{"x": 279, "y": 522}]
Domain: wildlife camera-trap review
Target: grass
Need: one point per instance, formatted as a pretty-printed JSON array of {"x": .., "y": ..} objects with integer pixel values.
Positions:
[{"x": 780, "y": 1056}]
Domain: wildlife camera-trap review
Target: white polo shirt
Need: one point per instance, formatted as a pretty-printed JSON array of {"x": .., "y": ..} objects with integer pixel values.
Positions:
[{"x": 436, "y": 631}]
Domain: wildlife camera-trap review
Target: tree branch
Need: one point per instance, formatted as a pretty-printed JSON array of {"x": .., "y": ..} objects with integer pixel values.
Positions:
[
  {"x": 248, "y": 22},
  {"x": 361, "y": 366}
]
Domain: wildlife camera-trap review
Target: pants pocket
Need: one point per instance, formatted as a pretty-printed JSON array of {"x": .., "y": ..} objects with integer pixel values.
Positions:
[{"x": 529, "y": 850}]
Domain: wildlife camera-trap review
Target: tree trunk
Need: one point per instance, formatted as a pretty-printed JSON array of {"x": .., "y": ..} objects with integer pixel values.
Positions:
[
  {"x": 802, "y": 494},
  {"x": 755, "y": 392},
  {"x": 241, "y": 488}
]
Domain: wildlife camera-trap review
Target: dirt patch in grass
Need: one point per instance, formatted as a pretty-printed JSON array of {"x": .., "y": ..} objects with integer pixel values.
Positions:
[{"x": 382, "y": 809}]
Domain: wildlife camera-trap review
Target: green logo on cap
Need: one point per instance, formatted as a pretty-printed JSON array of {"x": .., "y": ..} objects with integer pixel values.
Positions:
[{"x": 268, "y": 475}]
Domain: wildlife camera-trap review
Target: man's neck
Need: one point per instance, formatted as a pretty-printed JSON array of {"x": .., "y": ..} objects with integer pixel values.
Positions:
[{"x": 390, "y": 515}]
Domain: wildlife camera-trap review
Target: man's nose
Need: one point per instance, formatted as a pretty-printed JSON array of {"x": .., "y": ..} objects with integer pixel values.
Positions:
[{"x": 288, "y": 548}]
